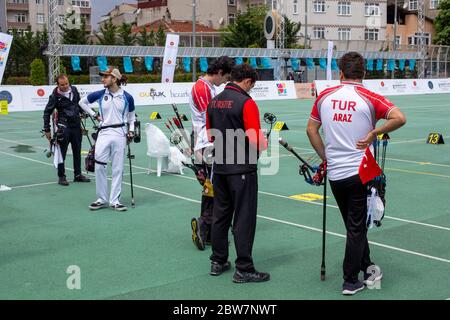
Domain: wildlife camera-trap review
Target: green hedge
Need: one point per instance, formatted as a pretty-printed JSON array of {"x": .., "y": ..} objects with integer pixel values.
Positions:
[{"x": 20, "y": 81}]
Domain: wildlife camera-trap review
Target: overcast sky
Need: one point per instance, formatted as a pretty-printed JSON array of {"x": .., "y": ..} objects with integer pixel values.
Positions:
[{"x": 102, "y": 7}]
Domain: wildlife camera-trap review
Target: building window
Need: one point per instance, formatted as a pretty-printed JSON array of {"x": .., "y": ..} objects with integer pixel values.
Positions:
[
  {"x": 38, "y": 1},
  {"x": 371, "y": 9},
  {"x": 295, "y": 6},
  {"x": 398, "y": 40},
  {"x": 319, "y": 6},
  {"x": 231, "y": 18},
  {"x": 413, "y": 4},
  {"x": 319, "y": 33},
  {"x": 434, "y": 4},
  {"x": 61, "y": 19},
  {"x": 371, "y": 34},
  {"x": 231, "y": 2},
  {"x": 40, "y": 18},
  {"x": 274, "y": 5},
  {"x": 20, "y": 17},
  {"x": 344, "y": 33},
  {"x": 414, "y": 39},
  {"x": 81, "y": 3},
  {"x": 344, "y": 8},
  {"x": 60, "y": 2}
]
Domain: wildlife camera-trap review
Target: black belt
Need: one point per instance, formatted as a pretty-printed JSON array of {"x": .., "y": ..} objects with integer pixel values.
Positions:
[{"x": 112, "y": 126}]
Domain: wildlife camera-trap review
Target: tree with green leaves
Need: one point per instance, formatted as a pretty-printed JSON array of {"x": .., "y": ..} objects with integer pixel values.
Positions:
[
  {"x": 247, "y": 29},
  {"x": 291, "y": 30},
  {"x": 37, "y": 73},
  {"x": 71, "y": 35},
  {"x": 145, "y": 38},
  {"x": 127, "y": 38},
  {"x": 108, "y": 34},
  {"x": 442, "y": 24},
  {"x": 160, "y": 36}
]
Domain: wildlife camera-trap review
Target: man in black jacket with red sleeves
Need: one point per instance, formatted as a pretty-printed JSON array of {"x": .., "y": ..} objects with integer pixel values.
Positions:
[
  {"x": 65, "y": 100},
  {"x": 233, "y": 124}
]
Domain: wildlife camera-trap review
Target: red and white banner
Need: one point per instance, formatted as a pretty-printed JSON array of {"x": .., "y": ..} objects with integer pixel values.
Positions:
[
  {"x": 5, "y": 46},
  {"x": 170, "y": 58}
]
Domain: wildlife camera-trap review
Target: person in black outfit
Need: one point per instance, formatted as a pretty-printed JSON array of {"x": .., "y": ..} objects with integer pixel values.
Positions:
[
  {"x": 65, "y": 100},
  {"x": 235, "y": 177}
]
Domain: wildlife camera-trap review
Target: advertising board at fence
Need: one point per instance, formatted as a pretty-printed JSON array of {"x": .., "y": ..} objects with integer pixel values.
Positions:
[
  {"x": 397, "y": 86},
  {"x": 13, "y": 96},
  {"x": 29, "y": 98}
]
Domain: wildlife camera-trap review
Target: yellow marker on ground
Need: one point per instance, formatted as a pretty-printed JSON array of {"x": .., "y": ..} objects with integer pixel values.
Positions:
[
  {"x": 4, "y": 107},
  {"x": 307, "y": 197}
]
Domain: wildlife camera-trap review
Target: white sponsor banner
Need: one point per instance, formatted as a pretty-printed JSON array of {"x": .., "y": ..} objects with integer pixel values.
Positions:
[
  {"x": 13, "y": 95},
  {"x": 5, "y": 46},
  {"x": 396, "y": 86},
  {"x": 29, "y": 98},
  {"x": 325, "y": 84},
  {"x": 170, "y": 58}
]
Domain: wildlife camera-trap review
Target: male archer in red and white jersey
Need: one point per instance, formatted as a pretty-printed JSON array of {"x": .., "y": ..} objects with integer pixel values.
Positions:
[
  {"x": 203, "y": 91},
  {"x": 348, "y": 114}
]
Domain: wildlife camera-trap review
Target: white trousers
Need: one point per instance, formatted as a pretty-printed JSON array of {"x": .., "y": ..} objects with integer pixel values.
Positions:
[{"x": 109, "y": 147}]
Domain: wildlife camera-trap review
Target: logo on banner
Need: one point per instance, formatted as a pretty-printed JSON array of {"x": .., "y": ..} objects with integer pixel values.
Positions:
[
  {"x": 414, "y": 83},
  {"x": 41, "y": 92},
  {"x": 282, "y": 90},
  {"x": 172, "y": 43},
  {"x": 6, "y": 95},
  {"x": 382, "y": 84},
  {"x": 184, "y": 94},
  {"x": 153, "y": 93},
  {"x": 3, "y": 46},
  {"x": 2, "y": 61},
  {"x": 430, "y": 85}
]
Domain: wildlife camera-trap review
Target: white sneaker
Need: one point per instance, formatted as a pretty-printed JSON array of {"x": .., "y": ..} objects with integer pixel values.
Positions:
[
  {"x": 118, "y": 207},
  {"x": 98, "y": 204}
]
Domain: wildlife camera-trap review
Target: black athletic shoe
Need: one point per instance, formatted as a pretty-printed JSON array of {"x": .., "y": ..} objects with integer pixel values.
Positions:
[
  {"x": 119, "y": 207},
  {"x": 374, "y": 275},
  {"x": 97, "y": 205},
  {"x": 255, "y": 276},
  {"x": 81, "y": 178},
  {"x": 349, "y": 289},
  {"x": 218, "y": 268},
  {"x": 62, "y": 181},
  {"x": 196, "y": 236}
]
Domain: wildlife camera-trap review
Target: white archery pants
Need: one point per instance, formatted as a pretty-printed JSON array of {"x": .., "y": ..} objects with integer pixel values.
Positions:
[{"x": 109, "y": 147}]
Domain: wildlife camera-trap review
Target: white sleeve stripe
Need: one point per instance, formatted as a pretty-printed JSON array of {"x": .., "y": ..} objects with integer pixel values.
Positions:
[
  {"x": 315, "y": 119},
  {"x": 389, "y": 112},
  {"x": 371, "y": 97}
]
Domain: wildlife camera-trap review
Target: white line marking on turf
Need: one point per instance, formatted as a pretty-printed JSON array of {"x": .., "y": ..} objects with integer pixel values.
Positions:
[
  {"x": 33, "y": 185},
  {"x": 268, "y": 218},
  {"x": 262, "y": 192},
  {"x": 318, "y": 203},
  {"x": 343, "y": 236}
]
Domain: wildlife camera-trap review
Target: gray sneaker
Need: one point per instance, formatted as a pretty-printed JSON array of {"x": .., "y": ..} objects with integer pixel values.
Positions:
[
  {"x": 349, "y": 289},
  {"x": 119, "y": 207},
  {"x": 97, "y": 205}
]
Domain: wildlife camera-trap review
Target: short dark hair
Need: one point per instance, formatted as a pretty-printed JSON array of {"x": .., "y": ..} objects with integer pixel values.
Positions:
[
  {"x": 223, "y": 63},
  {"x": 243, "y": 71},
  {"x": 60, "y": 77},
  {"x": 352, "y": 65}
]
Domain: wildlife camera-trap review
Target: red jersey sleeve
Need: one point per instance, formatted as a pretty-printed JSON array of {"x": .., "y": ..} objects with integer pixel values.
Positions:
[
  {"x": 251, "y": 122},
  {"x": 315, "y": 112},
  {"x": 201, "y": 95},
  {"x": 381, "y": 104}
]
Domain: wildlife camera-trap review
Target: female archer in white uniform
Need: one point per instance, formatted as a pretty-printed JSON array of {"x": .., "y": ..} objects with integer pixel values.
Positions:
[{"x": 116, "y": 109}]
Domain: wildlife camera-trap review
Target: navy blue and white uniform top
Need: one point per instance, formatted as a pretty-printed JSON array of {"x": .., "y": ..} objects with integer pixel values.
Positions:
[{"x": 114, "y": 109}]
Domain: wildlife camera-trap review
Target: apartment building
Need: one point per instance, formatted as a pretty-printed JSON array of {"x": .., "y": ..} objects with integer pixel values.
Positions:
[
  {"x": 214, "y": 14},
  {"x": 407, "y": 21},
  {"x": 21, "y": 14},
  {"x": 125, "y": 12}
]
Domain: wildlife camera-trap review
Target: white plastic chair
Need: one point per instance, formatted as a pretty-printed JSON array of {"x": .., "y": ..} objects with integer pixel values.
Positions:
[
  {"x": 158, "y": 146},
  {"x": 175, "y": 161}
]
